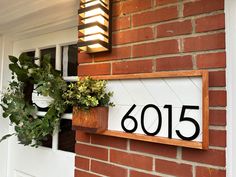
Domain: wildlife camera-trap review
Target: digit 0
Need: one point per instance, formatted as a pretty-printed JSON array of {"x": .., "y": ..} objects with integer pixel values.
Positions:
[{"x": 159, "y": 119}]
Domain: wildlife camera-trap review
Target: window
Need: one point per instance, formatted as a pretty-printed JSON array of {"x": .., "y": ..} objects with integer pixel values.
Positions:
[
  {"x": 66, "y": 140},
  {"x": 69, "y": 60},
  {"x": 51, "y": 52},
  {"x": 30, "y": 53}
]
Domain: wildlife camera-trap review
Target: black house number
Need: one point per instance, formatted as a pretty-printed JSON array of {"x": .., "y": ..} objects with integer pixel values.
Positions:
[{"x": 183, "y": 118}]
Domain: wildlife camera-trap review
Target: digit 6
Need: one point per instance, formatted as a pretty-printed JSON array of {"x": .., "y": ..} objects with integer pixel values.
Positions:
[{"x": 127, "y": 116}]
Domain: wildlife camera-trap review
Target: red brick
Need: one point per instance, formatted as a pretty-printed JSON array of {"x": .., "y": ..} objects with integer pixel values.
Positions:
[
  {"x": 210, "y": 23},
  {"x": 217, "y": 79},
  {"x": 174, "y": 63},
  {"x": 116, "y": 54},
  {"x": 153, "y": 148},
  {"x": 132, "y": 160},
  {"x": 154, "y": 16},
  {"x": 121, "y": 23},
  {"x": 211, "y": 60},
  {"x": 164, "y": 2},
  {"x": 135, "y": 35},
  {"x": 217, "y": 117},
  {"x": 174, "y": 28},
  {"x": 156, "y": 48},
  {"x": 94, "y": 69},
  {"x": 114, "y": 142},
  {"x": 84, "y": 57},
  {"x": 212, "y": 157},
  {"x": 108, "y": 169},
  {"x": 91, "y": 151},
  {"x": 127, "y": 7},
  {"x": 217, "y": 98},
  {"x": 209, "y": 172},
  {"x": 128, "y": 67},
  {"x": 173, "y": 168},
  {"x": 83, "y": 137},
  {"x": 79, "y": 173},
  {"x": 217, "y": 138},
  {"x": 206, "y": 42},
  {"x": 82, "y": 163},
  {"x": 202, "y": 6},
  {"x": 140, "y": 174}
]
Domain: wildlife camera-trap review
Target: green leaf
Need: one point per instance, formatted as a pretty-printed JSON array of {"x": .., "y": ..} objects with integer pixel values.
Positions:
[
  {"x": 5, "y": 115},
  {"x": 14, "y": 67},
  {"x": 21, "y": 74},
  {"x": 13, "y": 59},
  {"x": 24, "y": 59},
  {"x": 6, "y": 136}
]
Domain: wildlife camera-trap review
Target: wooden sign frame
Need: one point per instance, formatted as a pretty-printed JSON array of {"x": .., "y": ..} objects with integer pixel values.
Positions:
[{"x": 176, "y": 74}]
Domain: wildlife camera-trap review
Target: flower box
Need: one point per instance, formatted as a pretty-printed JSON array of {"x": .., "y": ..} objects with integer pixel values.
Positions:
[{"x": 93, "y": 120}]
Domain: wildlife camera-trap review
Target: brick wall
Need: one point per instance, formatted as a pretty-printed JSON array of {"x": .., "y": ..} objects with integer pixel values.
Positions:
[{"x": 154, "y": 36}]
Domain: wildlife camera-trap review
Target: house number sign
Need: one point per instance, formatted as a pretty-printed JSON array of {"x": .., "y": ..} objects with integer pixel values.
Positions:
[
  {"x": 159, "y": 126},
  {"x": 167, "y": 107}
]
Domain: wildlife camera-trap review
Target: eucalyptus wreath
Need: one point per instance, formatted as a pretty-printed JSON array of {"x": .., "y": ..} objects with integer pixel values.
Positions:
[{"x": 17, "y": 104}]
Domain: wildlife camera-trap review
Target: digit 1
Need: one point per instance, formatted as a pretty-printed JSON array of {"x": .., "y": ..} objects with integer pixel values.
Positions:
[{"x": 169, "y": 107}]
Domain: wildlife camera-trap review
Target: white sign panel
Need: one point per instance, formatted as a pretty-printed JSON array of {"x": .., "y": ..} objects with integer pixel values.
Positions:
[{"x": 167, "y": 108}]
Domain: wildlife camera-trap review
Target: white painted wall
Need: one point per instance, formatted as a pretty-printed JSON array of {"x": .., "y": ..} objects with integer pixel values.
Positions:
[
  {"x": 230, "y": 17},
  {"x": 5, "y": 50}
]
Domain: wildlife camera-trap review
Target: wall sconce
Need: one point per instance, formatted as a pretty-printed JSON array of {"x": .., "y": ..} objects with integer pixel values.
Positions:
[{"x": 95, "y": 26}]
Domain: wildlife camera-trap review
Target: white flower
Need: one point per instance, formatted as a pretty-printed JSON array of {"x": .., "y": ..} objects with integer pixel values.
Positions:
[
  {"x": 25, "y": 67},
  {"x": 30, "y": 70}
]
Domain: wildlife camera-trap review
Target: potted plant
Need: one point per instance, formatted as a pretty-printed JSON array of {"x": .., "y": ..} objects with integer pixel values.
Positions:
[{"x": 90, "y": 103}]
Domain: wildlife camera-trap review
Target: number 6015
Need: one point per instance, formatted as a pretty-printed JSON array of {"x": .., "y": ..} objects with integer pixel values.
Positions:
[{"x": 182, "y": 118}]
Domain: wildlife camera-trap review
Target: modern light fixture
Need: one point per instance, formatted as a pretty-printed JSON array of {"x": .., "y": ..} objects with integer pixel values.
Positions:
[{"x": 94, "y": 26}]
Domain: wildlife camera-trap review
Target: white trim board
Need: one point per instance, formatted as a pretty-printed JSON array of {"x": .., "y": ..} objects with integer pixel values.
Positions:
[
  {"x": 5, "y": 50},
  {"x": 230, "y": 16}
]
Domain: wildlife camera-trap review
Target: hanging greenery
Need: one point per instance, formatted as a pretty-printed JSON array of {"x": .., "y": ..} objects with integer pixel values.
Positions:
[{"x": 17, "y": 101}]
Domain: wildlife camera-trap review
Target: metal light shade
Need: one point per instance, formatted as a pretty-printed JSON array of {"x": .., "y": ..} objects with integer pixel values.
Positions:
[{"x": 94, "y": 26}]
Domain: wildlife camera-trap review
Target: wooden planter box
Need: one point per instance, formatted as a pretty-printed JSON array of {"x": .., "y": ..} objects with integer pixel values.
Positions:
[{"x": 94, "y": 120}]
